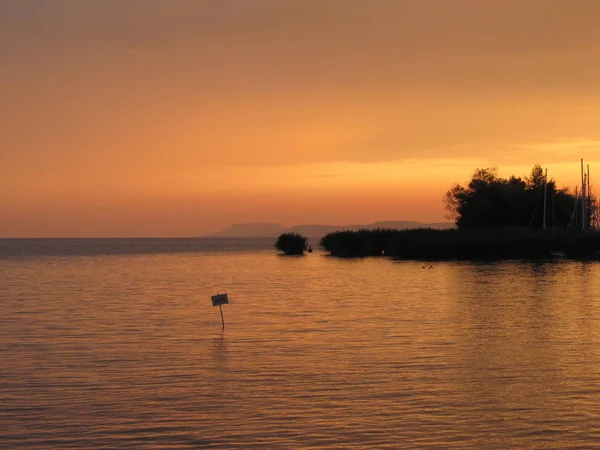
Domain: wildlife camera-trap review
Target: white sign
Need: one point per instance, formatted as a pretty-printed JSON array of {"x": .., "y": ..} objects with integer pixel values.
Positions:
[{"x": 219, "y": 299}]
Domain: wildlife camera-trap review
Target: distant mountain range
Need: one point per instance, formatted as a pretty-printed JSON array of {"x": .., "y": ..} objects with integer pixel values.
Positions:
[{"x": 317, "y": 231}]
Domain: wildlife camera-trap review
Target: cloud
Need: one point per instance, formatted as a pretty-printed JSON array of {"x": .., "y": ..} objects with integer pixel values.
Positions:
[{"x": 561, "y": 147}]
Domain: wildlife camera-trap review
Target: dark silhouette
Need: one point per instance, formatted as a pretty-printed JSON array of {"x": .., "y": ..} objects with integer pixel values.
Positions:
[
  {"x": 484, "y": 244},
  {"x": 491, "y": 201},
  {"x": 497, "y": 218},
  {"x": 291, "y": 244},
  {"x": 359, "y": 243}
]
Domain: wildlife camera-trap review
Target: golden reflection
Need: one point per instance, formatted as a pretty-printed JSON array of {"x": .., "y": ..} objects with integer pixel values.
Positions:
[
  {"x": 318, "y": 351},
  {"x": 525, "y": 340}
]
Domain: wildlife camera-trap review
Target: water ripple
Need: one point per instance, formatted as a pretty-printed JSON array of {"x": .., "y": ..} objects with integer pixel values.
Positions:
[{"x": 125, "y": 351}]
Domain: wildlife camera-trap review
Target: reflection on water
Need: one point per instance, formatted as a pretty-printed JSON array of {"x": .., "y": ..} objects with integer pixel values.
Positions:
[
  {"x": 125, "y": 350},
  {"x": 220, "y": 350}
]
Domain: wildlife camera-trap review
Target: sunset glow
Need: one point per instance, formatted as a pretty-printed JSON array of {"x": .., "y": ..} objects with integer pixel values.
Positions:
[{"x": 178, "y": 118}]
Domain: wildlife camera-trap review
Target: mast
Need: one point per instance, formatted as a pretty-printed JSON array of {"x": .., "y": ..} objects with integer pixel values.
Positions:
[
  {"x": 583, "y": 208},
  {"x": 589, "y": 198},
  {"x": 553, "y": 216},
  {"x": 573, "y": 221},
  {"x": 544, "y": 213}
]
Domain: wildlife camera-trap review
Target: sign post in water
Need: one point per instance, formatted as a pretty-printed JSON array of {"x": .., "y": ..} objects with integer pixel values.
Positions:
[{"x": 218, "y": 300}]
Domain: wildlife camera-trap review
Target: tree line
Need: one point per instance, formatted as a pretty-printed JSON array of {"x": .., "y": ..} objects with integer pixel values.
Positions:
[
  {"x": 496, "y": 218},
  {"x": 489, "y": 200}
]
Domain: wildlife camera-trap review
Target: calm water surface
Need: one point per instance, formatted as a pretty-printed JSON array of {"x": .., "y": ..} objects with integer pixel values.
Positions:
[{"x": 115, "y": 344}]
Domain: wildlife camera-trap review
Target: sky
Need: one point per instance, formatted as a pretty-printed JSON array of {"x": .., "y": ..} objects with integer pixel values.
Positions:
[{"x": 180, "y": 117}]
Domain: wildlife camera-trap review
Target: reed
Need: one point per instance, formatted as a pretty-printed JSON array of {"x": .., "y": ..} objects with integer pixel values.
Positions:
[{"x": 485, "y": 244}]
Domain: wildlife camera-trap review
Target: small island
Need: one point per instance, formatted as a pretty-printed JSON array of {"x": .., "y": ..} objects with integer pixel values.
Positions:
[
  {"x": 496, "y": 218},
  {"x": 291, "y": 244}
]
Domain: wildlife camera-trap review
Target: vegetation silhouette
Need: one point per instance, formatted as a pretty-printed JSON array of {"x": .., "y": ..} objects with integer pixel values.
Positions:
[
  {"x": 291, "y": 244},
  {"x": 496, "y": 218},
  {"x": 364, "y": 242},
  {"x": 491, "y": 201}
]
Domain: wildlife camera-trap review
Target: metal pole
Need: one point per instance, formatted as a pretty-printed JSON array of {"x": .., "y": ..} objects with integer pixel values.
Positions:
[
  {"x": 575, "y": 211},
  {"x": 553, "y": 216},
  {"x": 222, "y": 320},
  {"x": 588, "y": 213},
  {"x": 583, "y": 227},
  {"x": 544, "y": 213}
]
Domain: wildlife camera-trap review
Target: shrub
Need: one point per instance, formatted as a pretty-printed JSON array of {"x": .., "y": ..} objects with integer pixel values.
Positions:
[{"x": 291, "y": 244}]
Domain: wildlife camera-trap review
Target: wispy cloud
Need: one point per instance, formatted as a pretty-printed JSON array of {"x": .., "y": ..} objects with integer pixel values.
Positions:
[
  {"x": 326, "y": 176},
  {"x": 562, "y": 147}
]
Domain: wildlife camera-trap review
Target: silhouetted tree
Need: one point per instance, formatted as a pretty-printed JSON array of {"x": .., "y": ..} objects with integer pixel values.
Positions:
[
  {"x": 491, "y": 201},
  {"x": 594, "y": 213},
  {"x": 291, "y": 244},
  {"x": 498, "y": 218},
  {"x": 536, "y": 178}
]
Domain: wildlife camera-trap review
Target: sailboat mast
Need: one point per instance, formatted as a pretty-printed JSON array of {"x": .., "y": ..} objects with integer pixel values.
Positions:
[
  {"x": 573, "y": 221},
  {"x": 583, "y": 227},
  {"x": 589, "y": 198},
  {"x": 544, "y": 211}
]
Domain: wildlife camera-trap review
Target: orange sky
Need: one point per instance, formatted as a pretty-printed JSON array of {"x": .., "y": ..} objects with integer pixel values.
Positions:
[{"x": 180, "y": 117}]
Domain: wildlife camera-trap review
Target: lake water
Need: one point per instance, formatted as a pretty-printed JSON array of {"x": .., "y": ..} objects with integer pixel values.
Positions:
[{"x": 115, "y": 344}]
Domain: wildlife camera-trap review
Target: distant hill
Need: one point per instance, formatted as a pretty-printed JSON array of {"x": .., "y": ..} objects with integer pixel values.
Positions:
[
  {"x": 257, "y": 229},
  {"x": 317, "y": 231}
]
